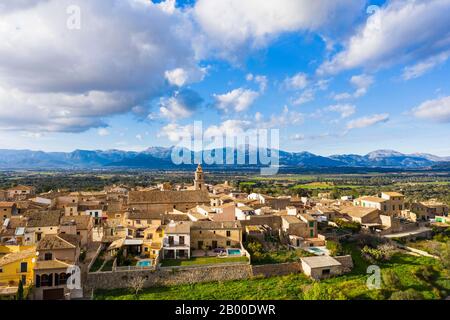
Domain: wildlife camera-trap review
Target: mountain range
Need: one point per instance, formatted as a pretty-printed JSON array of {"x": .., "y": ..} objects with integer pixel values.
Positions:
[{"x": 160, "y": 158}]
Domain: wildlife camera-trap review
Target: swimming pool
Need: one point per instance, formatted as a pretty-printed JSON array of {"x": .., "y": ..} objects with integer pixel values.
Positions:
[
  {"x": 234, "y": 252},
  {"x": 319, "y": 251},
  {"x": 144, "y": 263}
]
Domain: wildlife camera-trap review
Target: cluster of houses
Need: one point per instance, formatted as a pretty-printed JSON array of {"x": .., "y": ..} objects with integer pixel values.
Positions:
[{"x": 43, "y": 235}]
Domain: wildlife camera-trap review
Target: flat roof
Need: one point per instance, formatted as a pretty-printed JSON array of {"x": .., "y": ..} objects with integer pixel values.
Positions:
[{"x": 320, "y": 261}]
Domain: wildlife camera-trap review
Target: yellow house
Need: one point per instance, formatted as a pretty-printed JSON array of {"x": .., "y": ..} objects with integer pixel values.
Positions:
[
  {"x": 153, "y": 239},
  {"x": 15, "y": 266}
]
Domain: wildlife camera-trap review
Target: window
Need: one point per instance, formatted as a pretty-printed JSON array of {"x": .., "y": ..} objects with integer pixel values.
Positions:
[
  {"x": 48, "y": 256},
  {"x": 23, "y": 267},
  {"x": 311, "y": 224},
  {"x": 1, "y": 270},
  {"x": 326, "y": 272},
  {"x": 181, "y": 240},
  {"x": 228, "y": 243},
  {"x": 38, "y": 236},
  {"x": 228, "y": 233},
  {"x": 171, "y": 240}
]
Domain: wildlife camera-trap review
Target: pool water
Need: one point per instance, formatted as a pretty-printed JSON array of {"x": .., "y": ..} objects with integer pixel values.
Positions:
[
  {"x": 144, "y": 263},
  {"x": 320, "y": 251},
  {"x": 234, "y": 252}
]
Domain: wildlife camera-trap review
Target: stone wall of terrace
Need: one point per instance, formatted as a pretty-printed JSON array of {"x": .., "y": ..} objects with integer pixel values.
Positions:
[
  {"x": 168, "y": 276},
  {"x": 280, "y": 269}
]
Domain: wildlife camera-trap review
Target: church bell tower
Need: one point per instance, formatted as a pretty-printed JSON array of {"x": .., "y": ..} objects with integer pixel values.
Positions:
[{"x": 199, "y": 181}]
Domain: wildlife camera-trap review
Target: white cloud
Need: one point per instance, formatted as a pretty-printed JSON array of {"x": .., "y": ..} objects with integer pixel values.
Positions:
[
  {"x": 306, "y": 96},
  {"x": 238, "y": 100},
  {"x": 56, "y": 79},
  {"x": 139, "y": 137},
  {"x": 175, "y": 132},
  {"x": 437, "y": 110},
  {"x": 367, "y": 121},
  {"x": 181, "y": 105},
  {"x": 284, "y": 119},
  {"x": 419, "y": 69},
  {"x": 232, "y": 25},
  {"x": 103, "y": 132},
  {"x": 342, "y": 96},
  {"x": 177, "y": 77},
  {"x": 261, "y": 80},
  {"x": 296, "y": 82},
  {"x": 229, "y": 128},
  {"x": 395, "y": 34},
  {"x": 362, "y": 83},
  {"x": 345, "y": 110}
]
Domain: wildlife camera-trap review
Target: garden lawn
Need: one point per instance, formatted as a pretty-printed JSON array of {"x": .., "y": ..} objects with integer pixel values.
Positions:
[
  {"x": 202, "y": 261},
  {"x": 299, "y": 287}
]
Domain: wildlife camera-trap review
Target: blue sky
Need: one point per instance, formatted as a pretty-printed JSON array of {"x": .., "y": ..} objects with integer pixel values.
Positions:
[{"x": 333, "y": 76}]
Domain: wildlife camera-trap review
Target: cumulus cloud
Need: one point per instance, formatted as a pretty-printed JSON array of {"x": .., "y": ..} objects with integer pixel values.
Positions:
[
  {"x": 367, "y": 121},
  {"x": 361, "y": 83},
  {"x": 238, "y": 100},
  {"x": 437, "y": 110},
  {"x": 56, "y": 79},
  {"x": 181, "y": 105},
  {"x": 395, "y": 34},
  {"x": 232, "y": 25},
  {"x": 260, "y": 80},
  {"x": 296, "y": 82}
]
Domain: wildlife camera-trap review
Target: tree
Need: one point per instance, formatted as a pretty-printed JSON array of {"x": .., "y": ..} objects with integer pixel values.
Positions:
[
  {"x": 20, "y": 292},
  {"x": 136, "y": 285},
  {"x": 391, "y": 279}
]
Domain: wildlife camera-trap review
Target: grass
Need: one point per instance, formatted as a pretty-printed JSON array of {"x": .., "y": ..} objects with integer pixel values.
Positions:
[
  {"x": 201, "y": 261},
  {"x": 299, "y": 287}
]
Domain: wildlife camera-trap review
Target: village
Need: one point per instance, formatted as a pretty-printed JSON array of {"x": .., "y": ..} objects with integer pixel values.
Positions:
[{"x": 65, "y": 245}]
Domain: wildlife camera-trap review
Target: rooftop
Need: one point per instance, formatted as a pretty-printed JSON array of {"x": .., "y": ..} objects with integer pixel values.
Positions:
[
  {"x": 171, "y": 197},
  {"x": 320, "y": 261},
  {"x": 372, "y": 199},
  {"x": 17, "y": 256}
]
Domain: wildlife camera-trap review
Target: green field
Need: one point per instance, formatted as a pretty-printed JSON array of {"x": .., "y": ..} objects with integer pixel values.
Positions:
[
  {"x": 201, "y": 261},
  {"x": 299, "y": 287}
]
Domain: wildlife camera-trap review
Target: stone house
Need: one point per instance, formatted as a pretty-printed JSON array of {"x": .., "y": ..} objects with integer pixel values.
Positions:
[
  {"x": 177, "y": 240},
  {"x": 84, "y": 226},
  {"x": 214, "y": 234},
  {"x": 321, "y": 267}
]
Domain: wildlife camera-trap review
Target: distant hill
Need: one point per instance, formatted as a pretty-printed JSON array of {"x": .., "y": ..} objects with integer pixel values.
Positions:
[{"x": 160, "y": 158}]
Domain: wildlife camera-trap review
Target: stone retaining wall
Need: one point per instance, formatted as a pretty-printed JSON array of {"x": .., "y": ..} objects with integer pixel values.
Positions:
[
  {"x": 168, "y": 276},
  {"x": 271, "y": 270}
]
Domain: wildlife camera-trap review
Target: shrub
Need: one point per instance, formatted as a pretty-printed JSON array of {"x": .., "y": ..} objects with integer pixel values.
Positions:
[
  {"x": 334, "y": 247},
  {"x": 383, "y": 252},
  {"x": 391, "y": 279},
  {"x": 426, "y": 273},
  {"x": 354, "y": 227},
  {"x": 409, "y": 294}
]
